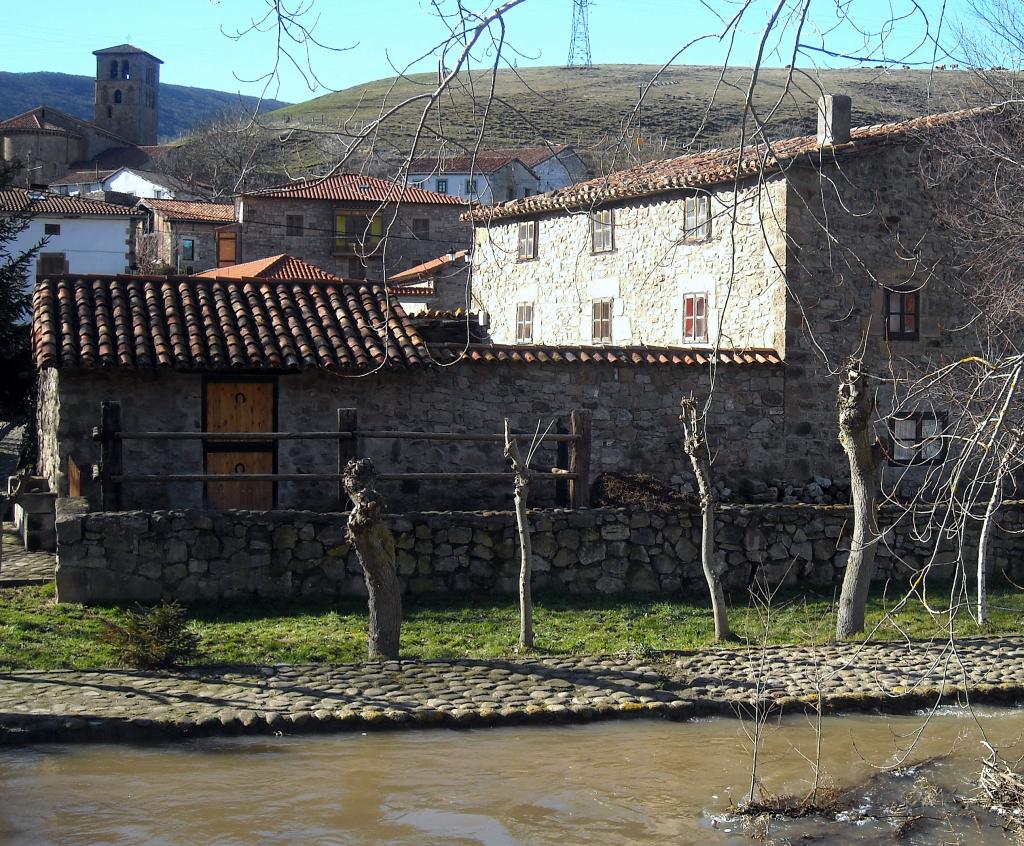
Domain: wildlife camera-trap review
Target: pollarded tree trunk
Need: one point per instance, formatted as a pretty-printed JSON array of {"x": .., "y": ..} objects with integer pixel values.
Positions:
[
  {"x": 856, "y": 407},
  {"x": 696, "y": 448},
  {"x": 375, "y": 547},
  {"x": 522, "y": 487}
]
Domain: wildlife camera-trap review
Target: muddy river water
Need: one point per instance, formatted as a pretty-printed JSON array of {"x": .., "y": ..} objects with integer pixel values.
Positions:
[{"x": 640, "y": 781}]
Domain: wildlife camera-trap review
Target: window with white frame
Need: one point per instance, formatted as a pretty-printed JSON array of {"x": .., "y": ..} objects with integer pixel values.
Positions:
[
  {"x": 695, "y": 318},
  {"x": 601, "y": 321},
  {"x": 917, "y": 438},
  {"x": 527, "y": 240},
  {"x": 442, "y": 186},
  {"x": 524, "y": 323},
  {"x": 698, "y": 218},
  {"x": 602, "y": 231}
]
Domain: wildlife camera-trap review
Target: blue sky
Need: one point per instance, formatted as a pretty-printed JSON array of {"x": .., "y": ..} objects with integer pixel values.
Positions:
[{"x": 59, "y": 35}]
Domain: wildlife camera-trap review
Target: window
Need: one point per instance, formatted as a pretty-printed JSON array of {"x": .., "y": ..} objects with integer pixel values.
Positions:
[
  {"x": 293, "y": 225},
  {"x": 150, "y": 76},
  {"x": 524, "y": 323},
  {"x": 695, "y": 318},
  {"x": 442, "y": 186},
  {"x": 527, "y": 240},
  {"x": 602, "y": 231},
  {"x": 125, "y": 74},
  {"x": 917, "y": 438},
  {"x": 117, "y": 96},
  {"x": 698, "y": 218},
  {"x": 510, "y": 194},
  {"x": 188, "y": 249},
  {"x": 355, "y": 233},
  {"x": 526, "y": 192},
  {"x": 601, "y": 332},
  {"x": 421, "y": 228},
  {"x": 902, "y": 309},
  {"x": 51, "y": 229},
  {"x": 113, "y": 69},
  {"x": 50, "y": 264},
  {"x": 470, "y": 187}
]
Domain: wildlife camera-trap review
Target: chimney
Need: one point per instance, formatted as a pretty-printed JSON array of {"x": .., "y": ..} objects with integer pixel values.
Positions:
[{"x": 833, "y": 120}]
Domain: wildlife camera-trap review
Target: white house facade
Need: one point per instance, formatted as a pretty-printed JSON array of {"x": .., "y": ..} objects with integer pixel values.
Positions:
[{"x": 77, "y": 235}]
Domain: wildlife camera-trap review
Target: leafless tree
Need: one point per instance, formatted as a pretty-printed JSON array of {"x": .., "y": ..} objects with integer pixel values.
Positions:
[
  {"x": 695, "y": 446},
  {"x": 521, "y": 483},
  {"x": 375, "y": 546}
]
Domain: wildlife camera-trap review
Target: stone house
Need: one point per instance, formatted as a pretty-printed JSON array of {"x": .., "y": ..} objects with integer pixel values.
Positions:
[
  {"x": 494, "y": 176},
  {"x": 441, "y": 284},
  {"x": 805, "y": 249},
  {"x": 180, "y": 235},
  {"x": 78, "y": 235},
  {"x": 355, "y": 226},
  {"x": 230, "y": 351}
]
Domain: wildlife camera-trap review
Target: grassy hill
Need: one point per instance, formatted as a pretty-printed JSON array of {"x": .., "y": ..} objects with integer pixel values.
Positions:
[
  {"x": 181, "y": 108},
  {"x": 593, "y": 107}
]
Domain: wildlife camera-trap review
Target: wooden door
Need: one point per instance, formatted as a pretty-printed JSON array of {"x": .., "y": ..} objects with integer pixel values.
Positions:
[{"x": 240, "y": 407}]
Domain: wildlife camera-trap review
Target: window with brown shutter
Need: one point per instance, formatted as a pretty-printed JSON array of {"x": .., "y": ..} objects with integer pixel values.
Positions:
[
  {"x": 524, "y": 323},
  {"x": 527, "y": 240},
  {"x": 602, "y": 231},
  {"x": 601, "y": 332}
]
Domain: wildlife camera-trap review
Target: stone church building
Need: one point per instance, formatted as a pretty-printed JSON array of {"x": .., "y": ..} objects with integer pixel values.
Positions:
[{"x": 50, "y": 143}]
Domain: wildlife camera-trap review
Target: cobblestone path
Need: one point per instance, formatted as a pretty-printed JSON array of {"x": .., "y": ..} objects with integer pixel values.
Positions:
[
  {"x": 20, "y": 567},
  {"x": 125, "y": 704}
]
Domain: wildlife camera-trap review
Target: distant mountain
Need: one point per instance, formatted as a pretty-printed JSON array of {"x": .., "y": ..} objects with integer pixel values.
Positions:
[{"x": 181, "y": 108}]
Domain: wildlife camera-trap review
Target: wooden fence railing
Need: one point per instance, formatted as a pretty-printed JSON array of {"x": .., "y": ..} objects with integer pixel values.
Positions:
[{"x": 573, "y": 443}]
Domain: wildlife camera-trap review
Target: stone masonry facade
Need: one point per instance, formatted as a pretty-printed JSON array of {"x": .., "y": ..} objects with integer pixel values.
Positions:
[
  {"x": 740, "y": 268},
  {"x": 415, "y": 233},
  {"x": 634, "y": 412},
  {"x": 189, "y": 555}
]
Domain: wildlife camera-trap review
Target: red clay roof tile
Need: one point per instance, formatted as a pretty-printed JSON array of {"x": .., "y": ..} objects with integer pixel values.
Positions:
[
  {"x": 22, "y": 201},
  {"x": 188, "y": 323}
]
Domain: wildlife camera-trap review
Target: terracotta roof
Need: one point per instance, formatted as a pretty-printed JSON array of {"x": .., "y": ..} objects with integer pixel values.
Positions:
[
  {"x": 280, "y": 267},
  {"x": 413, "y": 291},
  {"x": 36, "y": 118},
  {"x": 84, "y": 177},
  {"x": 125, "y": 48},
  {"x": 192, "y": 211},
  {"x": 20, "y": 200},
  {"x": 188, "y": 323},
  {"x": 354, "y": 187},
  {"x": 713, "y": 167},
  {"x": 428, "y": 268},
  {"x": 636, "y": 356}
]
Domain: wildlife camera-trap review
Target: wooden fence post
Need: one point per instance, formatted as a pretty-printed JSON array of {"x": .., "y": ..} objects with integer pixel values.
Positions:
[
  {"x": 562, "y": 499},
  {"x": 579, "y": 458},
  {"x": 111, "y": 458},
  {"x": 347, "y": 449}
]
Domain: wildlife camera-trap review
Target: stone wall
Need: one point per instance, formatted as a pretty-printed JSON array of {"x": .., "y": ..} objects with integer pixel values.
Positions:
[
  {"x": 741, "y": 268},
  {"x": 264, "y": 233},
  {"x": 634, "y": 410},
  {"x": 190, "y": 555}
]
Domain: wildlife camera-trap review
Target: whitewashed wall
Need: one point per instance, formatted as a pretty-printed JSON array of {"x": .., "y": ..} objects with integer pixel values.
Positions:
[{"x": 90, "y": 244}]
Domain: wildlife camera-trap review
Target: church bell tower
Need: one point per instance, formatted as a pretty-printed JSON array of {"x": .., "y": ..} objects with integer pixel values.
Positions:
[{"x": 127, "y": 93}]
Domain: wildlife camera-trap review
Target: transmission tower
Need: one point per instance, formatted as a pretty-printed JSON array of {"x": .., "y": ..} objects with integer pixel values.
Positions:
[{"x": 579, "y": 45}]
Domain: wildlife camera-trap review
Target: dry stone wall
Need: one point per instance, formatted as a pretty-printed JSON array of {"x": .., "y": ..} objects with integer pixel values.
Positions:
[{"x": 190, "y": 555}]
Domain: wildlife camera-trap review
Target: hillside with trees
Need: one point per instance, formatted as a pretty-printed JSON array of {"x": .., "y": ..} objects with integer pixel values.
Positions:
[{"x": 181, "y": 108}]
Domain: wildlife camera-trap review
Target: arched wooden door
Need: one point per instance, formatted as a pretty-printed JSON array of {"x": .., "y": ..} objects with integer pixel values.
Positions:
[{"x": 240, "y": 406}]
